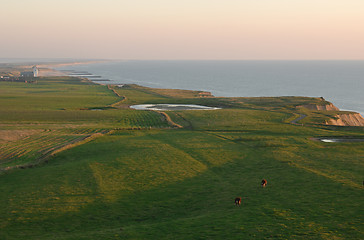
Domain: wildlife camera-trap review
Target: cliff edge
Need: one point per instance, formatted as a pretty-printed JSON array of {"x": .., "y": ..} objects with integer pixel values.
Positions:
[
  {"x": 326, "y": 107},
  {"x": 341, "y": 119},
  {"x": 351, "y": 119}
]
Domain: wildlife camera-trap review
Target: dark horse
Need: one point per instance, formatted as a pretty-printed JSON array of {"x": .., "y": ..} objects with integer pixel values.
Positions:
[
  {"x": 237, "y": 201},
  {"x": 264, "y": 183}
]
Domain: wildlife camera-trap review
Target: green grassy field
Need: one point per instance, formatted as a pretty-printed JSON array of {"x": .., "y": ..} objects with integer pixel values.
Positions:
[{"x": 139, "y": 178}]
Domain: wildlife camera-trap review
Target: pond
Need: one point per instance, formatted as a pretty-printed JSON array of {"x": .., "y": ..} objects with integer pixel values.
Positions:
[
  {"x": 338, "y": 140},
  {"x": 171, "y": 107}
]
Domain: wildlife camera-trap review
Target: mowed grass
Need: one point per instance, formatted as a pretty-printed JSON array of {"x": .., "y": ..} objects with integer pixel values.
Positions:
[
  {"x": 33, "y": 147},
  {"x": 59, "y": 109},
  {"x": 134, "y": 94},
  {"x": 53, "y": 94},
  {"x": 123, "y": 118},
  {"x": 144, "y": 180},
  {"x": 178, "y": 184}
]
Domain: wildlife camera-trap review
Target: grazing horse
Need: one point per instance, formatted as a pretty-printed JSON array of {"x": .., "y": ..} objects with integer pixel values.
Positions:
[
  {"x": 237, "y": 201},
  {"x": 264, "y": 183}
]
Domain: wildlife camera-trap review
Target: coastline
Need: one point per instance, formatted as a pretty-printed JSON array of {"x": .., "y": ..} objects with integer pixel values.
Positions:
[
  {"x": 343, "y": 117},
  {"x": 102, "y": 156},
  {"x": 54, "y": 69},
  {"x": 62, "y": 64},
  {"x": 47, "y": 70},
  {"x": 242, "y": 78}
]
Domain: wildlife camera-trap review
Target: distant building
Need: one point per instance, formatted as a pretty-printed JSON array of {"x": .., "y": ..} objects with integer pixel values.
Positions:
[
  {"x": 30, "y": 74},
  {"x": 5, "y": 78},
  {"x": 27, "y": 74},
  {"x": 35, "y": 71}
]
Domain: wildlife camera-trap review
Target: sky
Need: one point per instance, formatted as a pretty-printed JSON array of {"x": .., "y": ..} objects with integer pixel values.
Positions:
[{"x": 188, "y": 29}]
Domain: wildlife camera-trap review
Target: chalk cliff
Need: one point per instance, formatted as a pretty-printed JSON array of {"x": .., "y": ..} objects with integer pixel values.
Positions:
[
  {"x": 344, "y": 119},
  {"x": 327, "y": 107},
  {"x": 352, "y": 119}
]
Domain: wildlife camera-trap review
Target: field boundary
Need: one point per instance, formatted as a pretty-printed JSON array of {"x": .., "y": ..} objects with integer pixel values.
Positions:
[
  {"x": 169, "y": 120},
  {"x": 53, "y": 151},
  {"x": 118, "y": 95},
  {"x": 299, "y": 118}
]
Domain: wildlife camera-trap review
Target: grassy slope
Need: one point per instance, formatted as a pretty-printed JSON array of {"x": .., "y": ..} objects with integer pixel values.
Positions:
[
  {"x": 57, "y": 110},
  {"x": 180, "y": 183}
]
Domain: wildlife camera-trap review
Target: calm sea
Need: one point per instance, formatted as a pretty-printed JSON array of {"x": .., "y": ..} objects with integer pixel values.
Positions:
[{"x": 341, "y": 82}]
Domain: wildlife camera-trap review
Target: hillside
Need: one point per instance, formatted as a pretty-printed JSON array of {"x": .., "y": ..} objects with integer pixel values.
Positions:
[{"x": 77, "y": 163}]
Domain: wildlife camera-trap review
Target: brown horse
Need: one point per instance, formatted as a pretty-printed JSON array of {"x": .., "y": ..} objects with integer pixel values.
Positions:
[
  {"x": 237, "y": 201},
  {"x": 264, "y": 183}
]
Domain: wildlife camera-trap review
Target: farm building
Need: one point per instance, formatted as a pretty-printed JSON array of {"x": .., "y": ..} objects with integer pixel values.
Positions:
[{"x": 26, "y": 74}]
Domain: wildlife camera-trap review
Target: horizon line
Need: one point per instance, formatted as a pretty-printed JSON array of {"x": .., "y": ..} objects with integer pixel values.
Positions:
[{"x": 181, "y": 59}]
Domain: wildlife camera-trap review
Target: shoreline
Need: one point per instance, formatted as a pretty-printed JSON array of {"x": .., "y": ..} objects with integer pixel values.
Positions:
[
  {"x": 61, "y": 64},
  {"x": 50, "y": 70},
  {"x": 111, "y": 82}
]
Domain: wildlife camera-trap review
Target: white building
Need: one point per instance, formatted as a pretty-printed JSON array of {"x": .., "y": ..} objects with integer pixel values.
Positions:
[{"x": 35, "y": 71}]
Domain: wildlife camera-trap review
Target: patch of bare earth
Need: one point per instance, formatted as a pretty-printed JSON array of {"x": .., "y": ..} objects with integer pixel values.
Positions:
[{"x": 15, "y": 135}]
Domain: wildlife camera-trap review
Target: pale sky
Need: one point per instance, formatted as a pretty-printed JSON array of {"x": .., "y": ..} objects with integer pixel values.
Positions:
[{"x": 183, "y": 29}]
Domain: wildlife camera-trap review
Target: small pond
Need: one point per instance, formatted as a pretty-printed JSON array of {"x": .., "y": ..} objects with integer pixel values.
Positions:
[
  {"x": 171, "y": 107},
  {"x": 338, "y": 140}
]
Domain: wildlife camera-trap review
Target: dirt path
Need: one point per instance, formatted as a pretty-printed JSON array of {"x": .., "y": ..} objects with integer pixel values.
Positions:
[
  {"x": 169, "y": 120},
  {"x": 123, "y": 98},
  {"x": 302, "y": 116}
]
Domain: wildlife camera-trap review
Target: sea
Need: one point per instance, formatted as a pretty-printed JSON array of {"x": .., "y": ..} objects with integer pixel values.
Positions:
[{"x": 340, "y": 82}]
